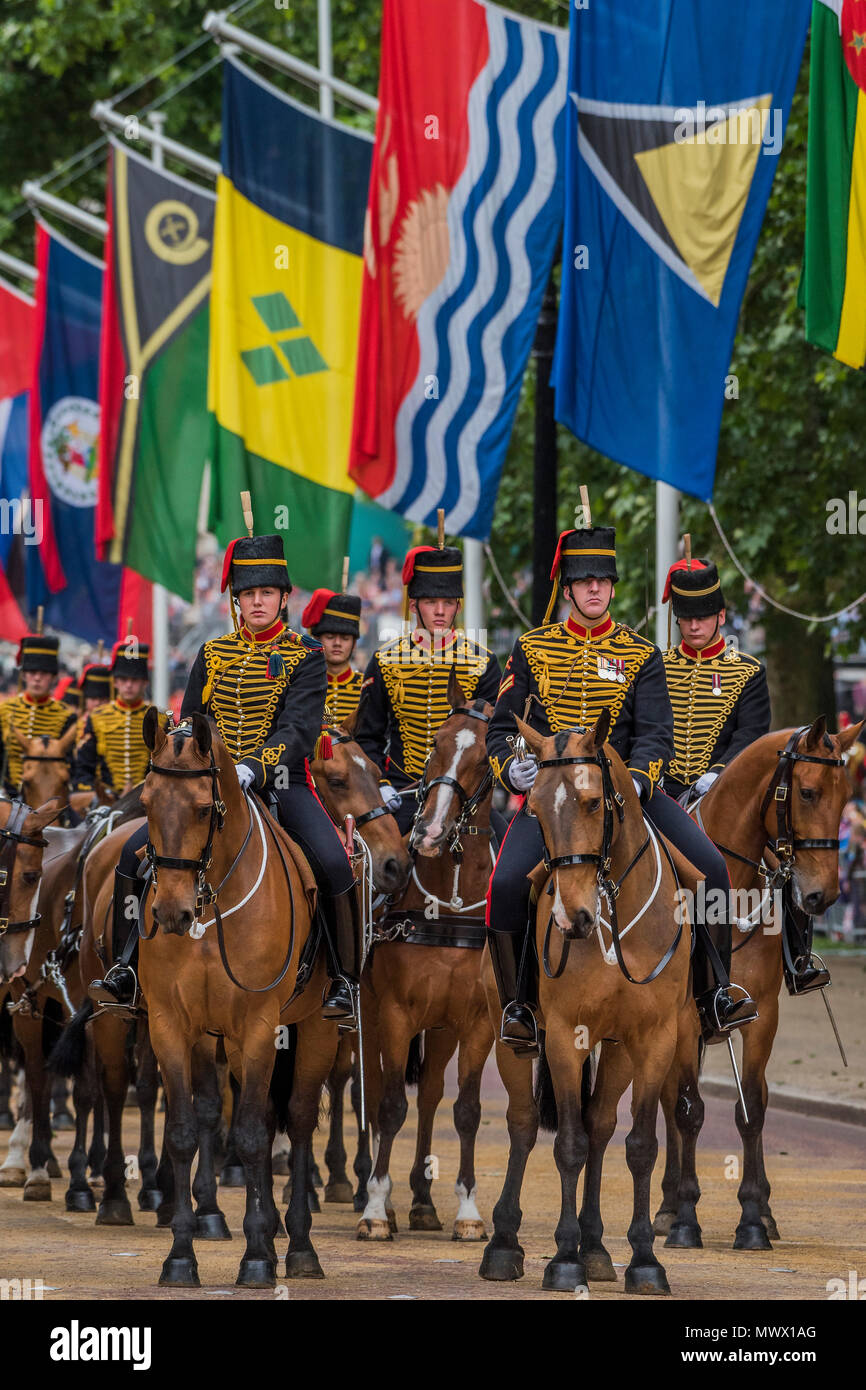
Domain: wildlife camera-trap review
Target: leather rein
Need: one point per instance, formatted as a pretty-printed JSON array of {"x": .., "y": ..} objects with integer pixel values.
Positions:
[
  {"x": 614, "y": 803},
  {"x": 338, "y": 736}
]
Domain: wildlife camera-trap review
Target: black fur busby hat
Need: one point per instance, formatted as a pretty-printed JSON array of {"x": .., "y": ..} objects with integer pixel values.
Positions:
[
  {"x": 433, "y": 573},
  {"x": 38, "y": 652},
  {"x": 331, "y": 612},
  {"x": 94, "y": 683},
  {"x": 129, "y": 659},
  {"x": 694, "y": 592},
  {"x": 586, "y": 554},
  {"x": 255, "y": 562}
]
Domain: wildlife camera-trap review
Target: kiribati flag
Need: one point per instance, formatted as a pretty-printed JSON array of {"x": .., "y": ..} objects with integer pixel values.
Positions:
[
  {"x": 79, "y": 593},
  {"x": 464, "y": 213},
  {"x": 676, "y": 114},
  {"x": 285, "y": 303}
]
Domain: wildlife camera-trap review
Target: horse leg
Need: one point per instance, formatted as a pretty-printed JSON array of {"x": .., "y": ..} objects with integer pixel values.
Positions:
[
  {"x": 599, "y": 1120},
  {"x": 338, "y": 1188},
  {"x": 78, "y": 1194},
  {"x": 232, "y": 1174},
  {"x": 210, "y": 1223},
  {"x": 146, "y": 1088},
  {"x": 97, "y": 1151},
  {"x": 503, "y": 1253},
  {"x": 37, "y": 1188},
  {"x": 758, "y": 1038},
  {"x": 180, "y": 1268},
  {"x": 767, "y": 1216},
  {"x": 438, "y": 1050},
  {"x": 363, "y": 1164},
  {"x": 378, "y": 1221},
  {"x": 474, "y": 1051},
  {"x": 6, "y": 1119},
  {"x": 317, "y": 1043},
  {"x": 685, "y": 1232},
  {"x": 667, "y": 1212},
  {"x": 61, "y": 1117},
  {"x": 565, "y": 1273},
  {"x": 114, "y": 1208},
  {"x": 652, "y": 1061}
]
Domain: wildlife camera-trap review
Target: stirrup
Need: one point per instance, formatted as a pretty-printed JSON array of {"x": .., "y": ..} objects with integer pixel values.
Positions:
[
  {"x": 128, "y": 1007},
  {"x": 521, "y": 1047},
  {"x": 799, "y": 982},
  {"x": 347, "y": 1021},
  {"x": 708, "y": 1011}
]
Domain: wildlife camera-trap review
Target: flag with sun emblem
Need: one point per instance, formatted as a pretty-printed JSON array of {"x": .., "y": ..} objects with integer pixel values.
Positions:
[
  {"x": 676, "y": 115},
  {"x": 463, "y": 217}
]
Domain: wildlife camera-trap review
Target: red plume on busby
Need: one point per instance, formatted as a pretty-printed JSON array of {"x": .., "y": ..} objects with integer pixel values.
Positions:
[
  {"x": 227, "y": 565},
  {"x": 409, "y": 562},
  {"x": 316, "y": 607},
  {"x": 680, "y": 565}
]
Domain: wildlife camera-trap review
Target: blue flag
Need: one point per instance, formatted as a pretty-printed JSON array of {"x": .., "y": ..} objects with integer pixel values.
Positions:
[
  {"x": 80, "y": 594},
  {"x": 676, "y": 114}
]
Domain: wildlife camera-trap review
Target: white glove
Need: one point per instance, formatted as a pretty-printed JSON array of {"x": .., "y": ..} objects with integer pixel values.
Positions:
[
  {"x": 522, "y": 773},
  {"x": 639, "y": 788},
  {"x": 704, "y": 783},
  {"x": 392, "y": 799},
  {"x": 246, "y": 776}
]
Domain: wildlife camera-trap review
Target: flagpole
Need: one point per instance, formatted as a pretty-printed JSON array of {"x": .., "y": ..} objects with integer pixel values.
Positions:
[
  {"x": 106, "y": 116},
  {"x": 326, "y": 60},
  {"x": 160, "y": 688},
  {"x": 667, "y": 542},
  {"x": 16, "y": 267}
]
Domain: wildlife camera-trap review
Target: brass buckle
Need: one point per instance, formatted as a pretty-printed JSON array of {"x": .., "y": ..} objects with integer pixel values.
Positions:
[
  {"x": 781, "y": 792},
  {"x": 4, "y": 923},
  {"x": 4, "y": 875}
]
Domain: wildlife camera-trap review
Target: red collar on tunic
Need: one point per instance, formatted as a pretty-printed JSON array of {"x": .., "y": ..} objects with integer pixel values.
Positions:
[
  {"x": 706, "y": 653},
  {"x": 592, "y": 632},
  {"x": 260, "y": 638}
]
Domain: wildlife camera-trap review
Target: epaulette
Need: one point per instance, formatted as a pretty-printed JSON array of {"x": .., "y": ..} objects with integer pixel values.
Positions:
[
  {"x": 632, "y": 632},
  {"x": 733, "y": 653},
  {"x": 306, "y": 641}
]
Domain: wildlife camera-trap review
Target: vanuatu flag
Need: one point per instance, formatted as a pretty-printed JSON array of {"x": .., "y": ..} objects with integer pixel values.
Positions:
[
  {"x": 155, "y": 431},
  {"x": 833, "y": 288},
  {"x": 284, "y": 321}
]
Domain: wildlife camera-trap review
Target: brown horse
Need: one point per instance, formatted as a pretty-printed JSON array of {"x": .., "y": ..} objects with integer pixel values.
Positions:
[
  {"x": 410, "y": 988},
  {"x": 45, "y": 772},
  {"x": 597, "y": 846},
  {"x": 235, "y": 979},
  {"x": 741, "y": 813}
]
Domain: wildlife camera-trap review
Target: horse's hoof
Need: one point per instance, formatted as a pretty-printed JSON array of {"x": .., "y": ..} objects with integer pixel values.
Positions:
[
  {"x": 501, "y": 1264},
  {"x": 37, "y": 1190},
  {"x": 752, "y": 1238},
  {"x": 12, "y": 1177},
  {"x": 78, "y": 1200},
  {"x": 280, "y": 1165},
  {"x": 374, "y": 1229},
  {"x": 181, "y": 1272},
  {"x": 52, "y": 1167},
  {"x": 423, "y": 1218},
  {"x": 770, "y": 1227},
  {"x": 598, "y": 1266},
  {"x": 467, "y": 1230},
  {"x": 63, "y": 1120},
  {"x": 663, "y": 1222},
  {"x": 211, "y": 1225},
  {"x": 96, "y": 1180},
  {"x": 149, "y": 1199},
  {"x": 115, "y": 1211},
  {"x": 340, "y": 1191},
  {"x": 164, "y": 1214},
  {"x": 257, "y": 1274},
  {"x": 7, "y": 1121},
  {"x": 313, "y": 1202},
  {"x": 303, "y": 1264},
  {"x": 685, "y": 1237},
  {"x": 233, "y": 1176},
  {"x": 316, "y": 1175},
  {"x": 564, "y": 1276},
  {"x": 646, "y": 1279}
]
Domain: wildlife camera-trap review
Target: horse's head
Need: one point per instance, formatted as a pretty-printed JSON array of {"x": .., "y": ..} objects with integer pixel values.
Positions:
[
  {"x": 348, "y": 783},
  {"x": 816, "y": 799},
  {"x": 21, "y": 846},
  {"x": 181, "y": 799},
  {"x": 45, "y": 766},
  {"x": 456, "y": 770},
  {"x": 569, "y": 800}
]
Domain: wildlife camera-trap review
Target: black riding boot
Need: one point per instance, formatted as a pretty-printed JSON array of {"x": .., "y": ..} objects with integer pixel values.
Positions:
[
  {"x": 801, "y": 973},
  {"x": 120, "y": 985},
  {"x": 345, "y": 932},
  {"x": 722, "y": 1006},
  {"x": 515, "y": 966}
]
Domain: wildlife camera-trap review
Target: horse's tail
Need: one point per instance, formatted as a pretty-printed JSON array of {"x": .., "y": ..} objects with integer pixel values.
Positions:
[
  {"x": 415, "y": 1060},
  {"x": 52, "y": 1026},
  {"x": 68, "y": 1055},
  {"x": 8, "y": 1041},
  {"x": 283, "y": 1077},
  {"x": 545, "y": 1098}
]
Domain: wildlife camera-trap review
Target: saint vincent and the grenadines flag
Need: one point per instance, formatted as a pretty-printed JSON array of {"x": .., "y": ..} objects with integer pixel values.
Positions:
[
  {"x": 676, "y": 113},
  {"x": 284, "y": 321},
  {"x": 833, "y": 287},
  {"x": 156, "y": 429}
]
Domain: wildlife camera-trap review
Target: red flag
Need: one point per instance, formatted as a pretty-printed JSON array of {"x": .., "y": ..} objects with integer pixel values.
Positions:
[{"x": 17, "y": 328}]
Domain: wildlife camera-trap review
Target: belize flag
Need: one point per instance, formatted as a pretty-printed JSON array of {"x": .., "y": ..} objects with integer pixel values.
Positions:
[
  {"x": 79, "y": 593},
  {"x": 464, "y": 213}
]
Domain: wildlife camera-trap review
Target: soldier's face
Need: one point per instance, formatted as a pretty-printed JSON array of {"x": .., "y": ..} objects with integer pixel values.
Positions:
[
  {"x": 699, "y": 632},
  {"x": 260, "y": 608},
  {"x": 38, "y": 683},
  {"x": 436, "y": 614},
  {"x": 130, "y": 689},
  {"x": 590, "y": 598},
  {"x": 91, "y": 703},
  {"x": 337, "y": 647}
]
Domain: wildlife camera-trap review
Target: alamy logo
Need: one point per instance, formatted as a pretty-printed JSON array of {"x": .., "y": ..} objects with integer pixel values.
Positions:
[{"x": 77, "y": 1343}]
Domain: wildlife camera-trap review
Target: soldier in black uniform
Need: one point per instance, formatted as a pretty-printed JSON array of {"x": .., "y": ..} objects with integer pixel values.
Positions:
[
  {"x": 335, "y": 622},
  {"x": 574, "y": 669},
  {"x": 405, "y": 695},
  {"x": 265, "y": 688},
  {"x": 111, "y": 744}
]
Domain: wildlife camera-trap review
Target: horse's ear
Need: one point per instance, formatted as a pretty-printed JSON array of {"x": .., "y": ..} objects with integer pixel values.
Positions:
[
  {"x": 202, "y": 733},
  {"x": 534, "y": 739},
  {"x": 37, "y": 820},
  {"x": 349, "y": 723},
  {"x": 67, "y": 740},
  {"x": 456, "y": 696},
  {"x": 850, "y": 735},
  {"x": 601, "y": 729},
  {"x": 816, "y": 734},
  {"x": 152, "y": 731}
]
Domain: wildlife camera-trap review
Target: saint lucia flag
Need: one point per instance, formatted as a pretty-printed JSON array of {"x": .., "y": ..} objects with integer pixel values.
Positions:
[
  {"x": 285, "y": 305},
  {"x": 677, "y": 110}
]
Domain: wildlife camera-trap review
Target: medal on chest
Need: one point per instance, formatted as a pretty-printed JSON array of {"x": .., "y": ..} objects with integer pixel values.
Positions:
[
  {"x": 716, "y": 678},
  {"x": 612, "y": 669}
]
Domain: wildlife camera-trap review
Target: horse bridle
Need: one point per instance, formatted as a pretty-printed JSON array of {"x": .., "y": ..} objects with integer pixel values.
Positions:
[
  {"x": 11, "y": 836},
  {"x": 614, "y": 802},
  {"x": 364, "y": 819},
  {"x": 469, "y": 801},
  {"x": 205, "y": 895}
]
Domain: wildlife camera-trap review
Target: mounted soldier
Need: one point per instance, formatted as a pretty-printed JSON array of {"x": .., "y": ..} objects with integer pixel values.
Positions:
[
  {"x": 405, "y": 692},
  {"x": 32, "y": 713},
  {"x": 560, "y": 676},
  {"x": 264, "y": 686},
  {"x": 111, "y": 745},
  {"x": 334, "y": 620}
]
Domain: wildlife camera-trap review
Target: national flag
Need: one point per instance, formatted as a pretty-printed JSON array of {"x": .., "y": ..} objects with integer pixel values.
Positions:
[
  {"x": 284, "y": 321},
  {"x": 17, "y": 327},
  {"x": 464, "y": 214},
  {"x": 155, "y": 426},
  {"x": 78, "y": 592},
  {"x": 676, "y": 116},
  {"x": 833, "y": 287}
]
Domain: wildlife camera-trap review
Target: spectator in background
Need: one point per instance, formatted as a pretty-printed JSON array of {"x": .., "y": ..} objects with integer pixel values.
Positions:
[{"x": 378, "y": 561}]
